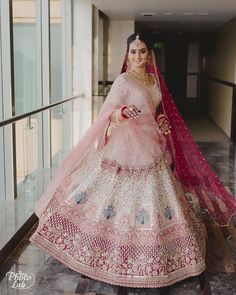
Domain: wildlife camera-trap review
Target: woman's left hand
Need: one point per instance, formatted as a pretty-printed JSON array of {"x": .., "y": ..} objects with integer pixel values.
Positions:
[{"x": 164, "y": 125}]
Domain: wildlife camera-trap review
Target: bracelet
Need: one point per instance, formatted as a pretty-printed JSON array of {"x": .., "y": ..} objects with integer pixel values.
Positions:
[
  {"x": 167, "y": 127},
  {"x": 167, "y": 131},
  {"x": 162, "y": 116},
  {"x": 122, "y": 114}
]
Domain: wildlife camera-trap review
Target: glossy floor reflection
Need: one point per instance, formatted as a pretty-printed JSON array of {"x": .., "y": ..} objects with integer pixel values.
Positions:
[{"x": 52, "y": 277}]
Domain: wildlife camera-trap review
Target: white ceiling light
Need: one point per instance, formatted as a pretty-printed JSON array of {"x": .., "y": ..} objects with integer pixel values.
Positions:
[
  {"x": 203, "y": 13},
  {"x": 168, "y": 13},
  {"x": 187, "y": 13}
]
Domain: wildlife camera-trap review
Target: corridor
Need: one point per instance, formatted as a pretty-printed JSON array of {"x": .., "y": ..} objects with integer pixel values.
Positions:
[{"x": 58, "y": 61}]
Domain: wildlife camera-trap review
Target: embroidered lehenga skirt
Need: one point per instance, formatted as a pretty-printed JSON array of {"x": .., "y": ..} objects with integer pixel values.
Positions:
[{"x": 124, "y": 224}]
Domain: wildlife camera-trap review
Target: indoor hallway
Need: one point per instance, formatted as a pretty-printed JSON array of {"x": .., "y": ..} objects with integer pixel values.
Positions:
[
  {"x": 52, "y": 277},
  {"x": 58, "y": 60}
]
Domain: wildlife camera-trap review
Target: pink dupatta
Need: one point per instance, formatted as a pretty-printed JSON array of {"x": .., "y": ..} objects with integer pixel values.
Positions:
[{"x": 191, "y": 167}]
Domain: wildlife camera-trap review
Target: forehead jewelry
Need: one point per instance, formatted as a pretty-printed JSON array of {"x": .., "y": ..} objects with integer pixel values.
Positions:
[{"x": 137, "y": 40}]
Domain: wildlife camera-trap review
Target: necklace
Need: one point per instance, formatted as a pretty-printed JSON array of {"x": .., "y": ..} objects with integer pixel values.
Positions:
[
  {"x": 141, "y": 76},
  {"x": 143, "y": 79}
]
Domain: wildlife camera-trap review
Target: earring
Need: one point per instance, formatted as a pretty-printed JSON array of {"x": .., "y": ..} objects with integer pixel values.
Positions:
[{"x": 149, "y": 61}]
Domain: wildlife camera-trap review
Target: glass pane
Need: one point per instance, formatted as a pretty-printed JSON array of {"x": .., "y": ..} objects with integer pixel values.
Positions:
[
  {"x": 96, "y": 105},
  {"x": 56, "y": 49},
  {"x": 75, "y": 121},
  {"x": 27, "y": 156},
  {"x": 57, "y": 148},
  {"x": 25, "y": 56},
  {"x": 14, "y": 212},
  {"x": 100, "y": 50}
]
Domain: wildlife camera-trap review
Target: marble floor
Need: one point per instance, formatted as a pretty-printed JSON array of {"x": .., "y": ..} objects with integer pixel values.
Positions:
[{"x": 45, "y": 275}]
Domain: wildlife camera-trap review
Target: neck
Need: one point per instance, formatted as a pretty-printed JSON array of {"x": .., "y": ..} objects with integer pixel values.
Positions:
[{"x": 140, "y": 71}]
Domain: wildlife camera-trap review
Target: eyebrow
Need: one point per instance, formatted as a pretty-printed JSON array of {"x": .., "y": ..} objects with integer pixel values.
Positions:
[{"x": 138, "y": 49}]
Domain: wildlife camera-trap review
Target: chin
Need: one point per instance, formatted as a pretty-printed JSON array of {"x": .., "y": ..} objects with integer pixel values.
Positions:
[{"x": 139, "y": 65}]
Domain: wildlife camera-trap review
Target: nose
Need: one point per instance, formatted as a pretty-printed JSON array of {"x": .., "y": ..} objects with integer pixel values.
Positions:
[{"x": 137, "y": 55}]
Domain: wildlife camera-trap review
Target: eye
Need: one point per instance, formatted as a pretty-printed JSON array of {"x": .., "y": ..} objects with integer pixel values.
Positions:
[
  {"x": 143, "y": 51},
  {"x": 132, "y": 51}
]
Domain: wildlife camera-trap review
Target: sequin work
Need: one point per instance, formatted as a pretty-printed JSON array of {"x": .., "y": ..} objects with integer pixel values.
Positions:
[
  {"x": 123, "y": 217},
  {"x": 126, "y": 232}
]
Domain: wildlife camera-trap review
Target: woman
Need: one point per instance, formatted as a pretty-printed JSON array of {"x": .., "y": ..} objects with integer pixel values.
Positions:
[{"x": 121, "y": 209}]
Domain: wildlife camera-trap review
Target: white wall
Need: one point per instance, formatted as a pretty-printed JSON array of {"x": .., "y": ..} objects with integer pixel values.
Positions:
[
  {"x": 82, "y": 60},
  {"x": 222, "y": 65},
  {"x": 119, "y": 31},
  {"x": 222, "y": 62},
  {"x": 95, "y": 61},
  {"x": 220, "y": 105},
  {"x": 100, "y": 50}
]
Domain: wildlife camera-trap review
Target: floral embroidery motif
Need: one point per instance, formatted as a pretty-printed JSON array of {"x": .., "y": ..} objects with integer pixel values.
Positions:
[
  {"x": 81, "y": 198},
  {"x": 157, "y": 259},
  {"x": 129, "y": 170},
  {"x": 109, "y": 212},
  {"x": 169, "y": 213},
  {"x": 129, "y": 242},
  {"x": 143, "y": 216},
  {"x": 74, "y": 188}
]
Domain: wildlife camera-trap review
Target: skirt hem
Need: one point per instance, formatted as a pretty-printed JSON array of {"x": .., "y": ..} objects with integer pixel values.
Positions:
[{"x": 118, "y": 280}]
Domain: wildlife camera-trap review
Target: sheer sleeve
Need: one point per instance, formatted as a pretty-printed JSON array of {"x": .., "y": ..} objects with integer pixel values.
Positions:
[{"x": 115, "y": 98}]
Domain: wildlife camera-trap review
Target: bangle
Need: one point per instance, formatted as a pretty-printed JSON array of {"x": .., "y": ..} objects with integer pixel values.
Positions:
[
  {"x": 162, "y": 116},
  {"x": 121, "y": 112}
]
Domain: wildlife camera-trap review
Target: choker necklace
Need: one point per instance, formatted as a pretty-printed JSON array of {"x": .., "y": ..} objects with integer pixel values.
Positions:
[
  {"x": 143, "y": 79},
  {"x": 143, "y": 76}
]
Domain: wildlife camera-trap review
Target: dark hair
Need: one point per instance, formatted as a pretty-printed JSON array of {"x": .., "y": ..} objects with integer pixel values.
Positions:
[{"x": 145, "y": 38}]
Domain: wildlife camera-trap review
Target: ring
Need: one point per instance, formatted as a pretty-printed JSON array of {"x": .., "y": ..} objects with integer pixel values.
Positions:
[{"x": 131, "y": 109}]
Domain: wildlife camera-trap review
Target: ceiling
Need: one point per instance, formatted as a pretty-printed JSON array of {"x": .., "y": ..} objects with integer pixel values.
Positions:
[{"x": 201, "y": 14}]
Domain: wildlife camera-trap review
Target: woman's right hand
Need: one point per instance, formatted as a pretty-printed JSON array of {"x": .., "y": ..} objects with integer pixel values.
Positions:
[{"x": 131, "y": 112}]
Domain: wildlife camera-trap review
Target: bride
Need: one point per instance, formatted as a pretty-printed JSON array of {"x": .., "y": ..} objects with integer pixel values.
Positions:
[{"x": 125, "y": 206}]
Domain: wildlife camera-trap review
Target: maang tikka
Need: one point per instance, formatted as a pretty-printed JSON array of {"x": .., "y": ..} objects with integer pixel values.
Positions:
[{"x": 137, "y": 40}]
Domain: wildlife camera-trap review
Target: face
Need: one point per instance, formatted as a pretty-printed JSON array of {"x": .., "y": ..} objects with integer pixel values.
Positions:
[{"x": 137, "y": 55}]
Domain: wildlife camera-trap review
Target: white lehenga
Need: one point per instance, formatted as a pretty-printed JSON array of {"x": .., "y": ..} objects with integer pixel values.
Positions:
[{"x": 123, "y": 217}]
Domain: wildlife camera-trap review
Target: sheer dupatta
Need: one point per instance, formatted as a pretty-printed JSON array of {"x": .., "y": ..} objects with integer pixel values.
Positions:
[
  {"x": 89, "y": 146},
  {"x": 191, "y": 167}
]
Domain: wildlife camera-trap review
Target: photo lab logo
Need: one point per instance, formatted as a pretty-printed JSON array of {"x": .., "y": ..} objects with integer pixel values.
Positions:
[{"x": 21, "y": 280}]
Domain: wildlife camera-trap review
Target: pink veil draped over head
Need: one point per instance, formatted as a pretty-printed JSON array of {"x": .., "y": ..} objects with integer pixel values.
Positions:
[{"x": 191, "y": 167}]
